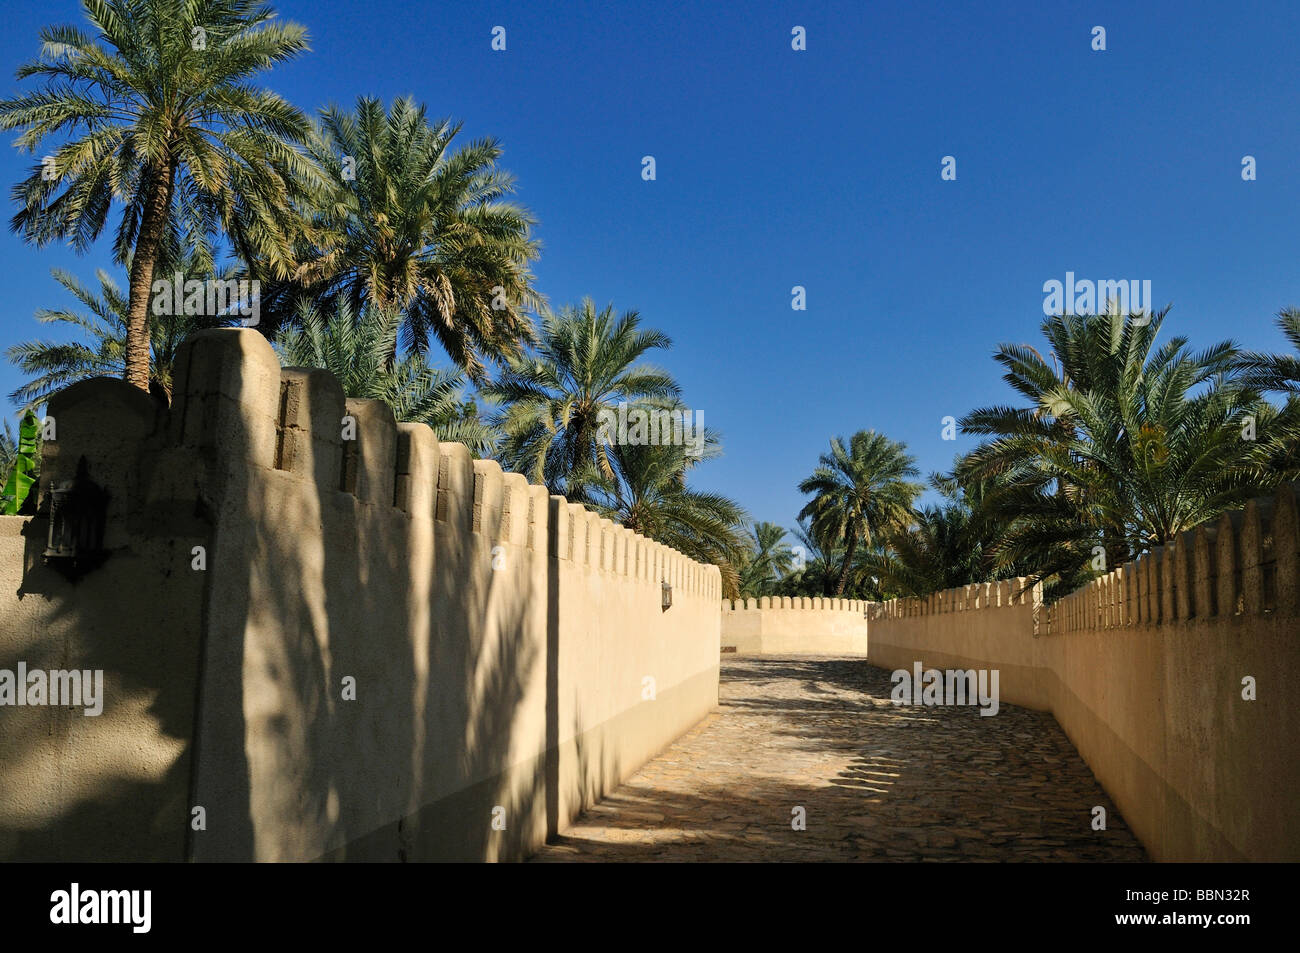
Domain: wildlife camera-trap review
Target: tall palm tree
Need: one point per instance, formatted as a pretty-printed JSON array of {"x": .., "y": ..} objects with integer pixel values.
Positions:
[
  {"x": 1124, "y": 444},
  {"x": 769, "y": 559},
  {"x": 860, "y": 491},
  {"x": 358, "y": 352},
  {"x": 105, "y": 324},
  {"x": 587, "y": 362},
  {"x": 162, "y": 117},
  {"x": 402, "y": 218},
  {"x": 647, "y": 492}
]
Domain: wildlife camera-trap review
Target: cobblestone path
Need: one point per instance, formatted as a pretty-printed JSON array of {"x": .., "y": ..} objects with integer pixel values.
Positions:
[{"x": 877, "y": 781}]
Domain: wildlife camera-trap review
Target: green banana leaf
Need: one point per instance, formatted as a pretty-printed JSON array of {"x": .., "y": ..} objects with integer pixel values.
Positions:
[{"x": 23, "y": 475}]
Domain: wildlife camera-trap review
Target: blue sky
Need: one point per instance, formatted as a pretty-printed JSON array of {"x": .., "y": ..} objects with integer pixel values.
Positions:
[{"x": 821, "y": 168}]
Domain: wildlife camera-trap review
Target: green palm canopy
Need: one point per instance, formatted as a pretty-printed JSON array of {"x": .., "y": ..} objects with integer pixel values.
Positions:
[
  {"x": 767, "y": 560},
  {"x": 1123, "y": 442},
  {"x": 1276, "y": 372},
  {"x": 646, "y": 490},
  {"x": 157, "y": 113},
  {"x": 860, "y": 491},
  {"x": 587, "y": 362},
  {"x": 402, "y": 217},
  {"x": 358, "y": 352},
  {"x": 103, "y": 326}
]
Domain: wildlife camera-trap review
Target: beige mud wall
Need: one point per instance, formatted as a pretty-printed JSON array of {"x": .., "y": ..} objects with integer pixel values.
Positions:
[
  {"x": 116, "y": 785},
  {"x": 1144, "y": 671},
  {"x": 785, "y": 625},
  {"x": 993, "y": 623},
  {"x": 507, "y": 651}
]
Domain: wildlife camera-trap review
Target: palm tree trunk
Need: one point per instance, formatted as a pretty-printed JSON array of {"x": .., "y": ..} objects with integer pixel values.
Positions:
[
  {"x": 153, "y": 223},
  {"x": 844, "y": 569}
]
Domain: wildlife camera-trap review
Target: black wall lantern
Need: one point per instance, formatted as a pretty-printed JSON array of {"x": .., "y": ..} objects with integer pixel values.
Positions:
[
  {"x": 667, "y": 591},
  {"x": 78, "y": 512}
]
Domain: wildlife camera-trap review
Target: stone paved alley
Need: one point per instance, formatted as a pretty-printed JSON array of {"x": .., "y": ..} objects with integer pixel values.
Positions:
[{"x": 877, "y": 781}]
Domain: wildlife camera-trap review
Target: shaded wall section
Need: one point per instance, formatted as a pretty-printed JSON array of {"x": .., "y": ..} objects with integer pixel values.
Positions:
[{"x": 392, "y": 652}]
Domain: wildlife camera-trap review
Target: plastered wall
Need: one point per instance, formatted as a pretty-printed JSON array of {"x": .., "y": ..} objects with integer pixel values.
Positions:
[
  {"x": 1147, "y": 669},
  {"x": 785, "y": 625},
  {"x": 392, "y": 651}
]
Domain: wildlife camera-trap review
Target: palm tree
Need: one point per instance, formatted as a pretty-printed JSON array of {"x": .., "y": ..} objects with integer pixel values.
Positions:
[
  {"x": 1280, "y": 373},
  {"x": 647, "y": 492},
  {"x": 936, "y": 552},
  {"x": 860, "y": 491},
  {"x": 768, "y": 560},
  {"x": 162, "y": 118},
  {"x": 946, "y": 545},
  {"x": 587, "y": 363},
  {"x": 814, "y": 564},
  {"x": 1123, "y": 445},
  {"x": 359, "y": 354},
  {"x": 1275, "y": 372},
  {"x": 401, "y": 219},
  {"x": 105, "y": 327}
]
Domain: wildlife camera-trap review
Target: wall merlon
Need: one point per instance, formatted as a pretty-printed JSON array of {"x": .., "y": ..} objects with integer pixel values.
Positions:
[
  {"x": 309, "y": 426},
  {"x": 538, "y": 515},
  {"x": 226, "y": 397},
  {"x": 416, "y": 483},
  {"x": 1227, "y": 564},
  {"x": 559, "y": 528},
  {"x": 1183, "y": 580},
  {"x": 370, "y": 460},
  {"x": 107, "y": 421},
  {"x": 515, "y": 502},
  {"x": 580, "y": 529},
  {"x": 488, "y": 506},
  {"x": 1256, "y": 554},
  {"x": 455, "y": 503}
]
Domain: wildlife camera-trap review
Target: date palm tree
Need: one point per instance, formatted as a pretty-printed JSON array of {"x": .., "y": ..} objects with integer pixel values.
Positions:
[
  {"x": 646, "y": 490},
  {"x": 936, "y": 552},
  {"x": 1123, "y": 444},
  {"x": 403, "y": 217},
  {"x": 1280, "y": 373},
  {"x": 947, "y": 544},
  {"x": 814, "y": 564},
  {"x": 768, "y": 559},
  {"x": 358, "y": 352},
  {"x": 1275, "y": 372},
  {"x": 158, "y": 114},
  {"x": 587, "y": 362},
  {"x": 860, "y": 491},
  {"x": 104, "y": 325}
]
